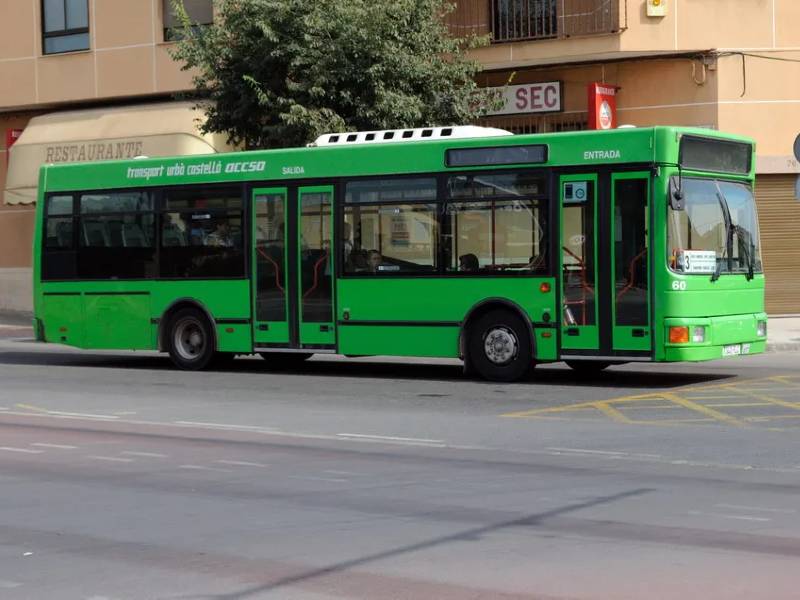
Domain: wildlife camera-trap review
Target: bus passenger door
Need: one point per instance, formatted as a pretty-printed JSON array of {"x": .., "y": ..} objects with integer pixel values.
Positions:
[
  {"x": 315, "y": 262},
  {"x": 630, "y": 271},
  {"x": 579, "y": 311},
  {"x": 269, "y": 260}
]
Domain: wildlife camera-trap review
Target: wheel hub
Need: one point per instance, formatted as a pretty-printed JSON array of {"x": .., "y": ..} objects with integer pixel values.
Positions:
[
  {"x": 189, "y": 339},
  {"x": 500, "y": 345}
]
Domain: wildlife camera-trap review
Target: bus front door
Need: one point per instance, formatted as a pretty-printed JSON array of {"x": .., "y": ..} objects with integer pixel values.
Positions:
[
  {"x": 293, "y": 269},
  {"x": 630, "y": 208},
  {"x": 605, "y": 277}
]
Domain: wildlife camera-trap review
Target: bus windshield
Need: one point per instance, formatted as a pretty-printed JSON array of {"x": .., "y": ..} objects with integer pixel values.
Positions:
[{"x": 717, "y": 231}]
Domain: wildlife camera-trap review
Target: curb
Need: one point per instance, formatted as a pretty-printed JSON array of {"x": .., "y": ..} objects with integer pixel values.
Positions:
[{"x": 783, "y": 347}]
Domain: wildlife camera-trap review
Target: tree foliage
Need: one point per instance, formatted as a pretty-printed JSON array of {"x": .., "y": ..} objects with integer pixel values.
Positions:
[{"x": 277, "y": 73}]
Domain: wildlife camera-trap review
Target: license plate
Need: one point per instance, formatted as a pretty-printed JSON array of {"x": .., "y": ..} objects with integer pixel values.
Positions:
[{"x": 734, "y": 350}]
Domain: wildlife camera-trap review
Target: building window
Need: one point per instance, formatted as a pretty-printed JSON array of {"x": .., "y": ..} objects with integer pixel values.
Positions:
[
  {"x": 200, "y": 12},
  {"x": 523, "y": 20},
  {"x": 65, "y": 26}
]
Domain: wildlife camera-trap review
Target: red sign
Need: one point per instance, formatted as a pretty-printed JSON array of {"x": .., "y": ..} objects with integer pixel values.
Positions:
[
  {"x": 602, "y": 106},
  {"x": 12, "y": 135}
]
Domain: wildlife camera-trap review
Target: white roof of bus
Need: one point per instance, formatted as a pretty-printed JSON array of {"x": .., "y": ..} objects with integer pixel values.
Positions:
[{"x": 407, "y": 135}]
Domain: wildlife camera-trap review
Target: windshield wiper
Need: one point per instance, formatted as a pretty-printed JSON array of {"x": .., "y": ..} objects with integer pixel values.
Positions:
[
  {"x": 726, "y": 215},
  {"x": 744, "y": 235}
]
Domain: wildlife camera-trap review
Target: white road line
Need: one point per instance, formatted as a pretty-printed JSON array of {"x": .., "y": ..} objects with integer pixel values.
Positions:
[
  {"x": 332, "y": 472},
  {"x": 225, "y": 426},
  {"x": 582, "y": 451},
  {"x": 5, "y": 584},
  {"x": 202, "y": 468},
  {"x": 241, "y": 463},
  {"x": 389, "y": 438},
  {"x": 721, "y": 516},
  {"x": 56, "y": 446},
  {"x": 110, "y": 458},
  {"x": 145, "y": 454},
  {"x": 756, "y": 508},
  {"x": 22, "y": 450},
  {"x": 311, "y": 478},
  {"x": 86, "y": 415}
]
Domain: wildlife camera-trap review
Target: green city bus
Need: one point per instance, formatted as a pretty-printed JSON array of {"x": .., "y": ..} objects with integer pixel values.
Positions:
[{"x": 506, "y": 251}]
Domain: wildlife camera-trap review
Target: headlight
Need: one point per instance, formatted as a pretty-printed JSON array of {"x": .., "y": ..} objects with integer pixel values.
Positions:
[
  {"x": 698, "y": 335},
  {"x": 761, "y": 329}
]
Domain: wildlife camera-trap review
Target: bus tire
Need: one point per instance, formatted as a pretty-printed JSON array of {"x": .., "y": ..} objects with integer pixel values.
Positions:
[
  {"x": 499, "y": 346},
  {"x": 284, "y": 359},
  {"x": 190, "y": 340},
  {"x": 588, "y": 367}
]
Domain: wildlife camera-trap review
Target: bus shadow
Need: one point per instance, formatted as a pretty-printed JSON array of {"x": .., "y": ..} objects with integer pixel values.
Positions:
[{"x": 622, "y": 377}]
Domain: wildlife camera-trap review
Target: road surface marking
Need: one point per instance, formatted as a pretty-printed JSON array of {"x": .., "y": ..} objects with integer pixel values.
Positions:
[
  {"x": 312, "y": 478},
  {"x": 56, "y": 446},
  {"x": 714, "y": 414},
  {"x": 389, "y": 438},
  {"x": 612, "y": 413},
  {"x": 64, "y": 413},
  {"x": 756, "y": 508},
  {"x": 202, "y": 468},
  {"x": 8, "y": 585},
  {"x": 144, "y": 454},
  {"x": 22, "y": 450},
  {"x": 698, "y": 513},
  {"x": 604, "y": 452},
  {"x": 332, "y": 472},
  {"x": 110, "y": 458},
  {"x": 225, "y": 426},
  {"x": 241, "y": 463}
]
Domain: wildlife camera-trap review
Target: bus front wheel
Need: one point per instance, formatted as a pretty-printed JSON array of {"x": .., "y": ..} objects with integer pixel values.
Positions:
[
  {"x": 191, "y": 340},
  {"x": 499, "y": 346}
]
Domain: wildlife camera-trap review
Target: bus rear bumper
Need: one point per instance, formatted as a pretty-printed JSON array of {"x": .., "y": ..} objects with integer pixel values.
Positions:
[{"x": 713, "y": 338}]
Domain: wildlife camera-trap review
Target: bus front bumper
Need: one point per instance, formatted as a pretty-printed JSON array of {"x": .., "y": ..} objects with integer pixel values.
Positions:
[{"x": 712, "y": 338}]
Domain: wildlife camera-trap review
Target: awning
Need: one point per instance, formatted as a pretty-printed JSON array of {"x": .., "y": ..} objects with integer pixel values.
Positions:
[{"x": 164, "y": 129}]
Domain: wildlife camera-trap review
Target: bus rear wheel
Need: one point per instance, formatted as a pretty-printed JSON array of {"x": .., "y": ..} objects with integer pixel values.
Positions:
[
  {"x": 191, "y": 340},
  {"x": 499, "y": 346}
]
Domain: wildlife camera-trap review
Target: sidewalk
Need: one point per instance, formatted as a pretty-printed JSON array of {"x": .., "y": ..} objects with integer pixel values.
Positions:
[{"x": 783, "y": 333}]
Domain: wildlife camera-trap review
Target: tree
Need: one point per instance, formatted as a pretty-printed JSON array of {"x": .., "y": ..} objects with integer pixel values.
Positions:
[{"x": 277, "y": 73}]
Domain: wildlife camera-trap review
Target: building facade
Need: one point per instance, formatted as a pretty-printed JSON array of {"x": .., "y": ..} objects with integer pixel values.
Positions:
[
  {"x": 89, "y": 79},
  {"x": 732, "y": 66},
  {"x": 84, "y": 80}
]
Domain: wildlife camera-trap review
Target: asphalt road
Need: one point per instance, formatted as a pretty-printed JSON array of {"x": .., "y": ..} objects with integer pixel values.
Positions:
[{"x": 372, "y": 479}]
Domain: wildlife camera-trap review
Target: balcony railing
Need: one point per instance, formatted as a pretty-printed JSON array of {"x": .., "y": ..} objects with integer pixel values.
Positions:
[{"x": 518, "y": 20}]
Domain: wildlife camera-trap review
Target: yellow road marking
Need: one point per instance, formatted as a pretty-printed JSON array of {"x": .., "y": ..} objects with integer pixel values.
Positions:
[
  {"x": 572, "y": 407},
  {"x": 714, "y": 414},
  {"x": 736, "y": 404},
  {"x": 612, "y": 413},
  {"x": 770, "y": 399},
  {"x": 785, "y": 380},
  {"x": 616, "y": 408},
  {"x": 710, "y": 397}
]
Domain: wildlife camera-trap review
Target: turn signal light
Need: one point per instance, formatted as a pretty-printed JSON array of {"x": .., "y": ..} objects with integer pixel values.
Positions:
[
  {"x": 544, "y": 287},
  {"x": 678, "y": 335}
]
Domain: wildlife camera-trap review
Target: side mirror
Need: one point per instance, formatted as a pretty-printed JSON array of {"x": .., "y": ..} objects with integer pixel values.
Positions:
[{"x": 677, "y": 201}]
